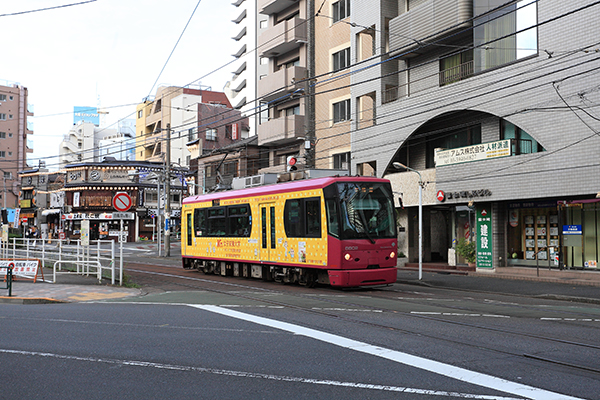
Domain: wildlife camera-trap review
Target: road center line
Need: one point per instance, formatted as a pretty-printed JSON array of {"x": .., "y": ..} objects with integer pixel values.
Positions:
[
  {"x": 440, "y": 368},
  {"x": 242, "y": 374}
]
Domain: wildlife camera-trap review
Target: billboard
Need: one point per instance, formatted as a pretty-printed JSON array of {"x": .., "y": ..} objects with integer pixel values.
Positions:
[{"x": 86, "y": 114}]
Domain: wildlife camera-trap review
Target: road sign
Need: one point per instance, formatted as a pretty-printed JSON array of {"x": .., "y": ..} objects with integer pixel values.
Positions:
[
  {"x": 122, "y": 236},
  {"x": 122, "y": 201}
]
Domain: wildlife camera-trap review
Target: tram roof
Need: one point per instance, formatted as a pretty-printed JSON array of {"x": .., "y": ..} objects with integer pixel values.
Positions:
[{"x": 282, "y": 187}]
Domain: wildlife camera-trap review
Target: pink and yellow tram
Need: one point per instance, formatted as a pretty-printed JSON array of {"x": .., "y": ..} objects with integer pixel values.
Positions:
[{"x": 339, "y": 231}]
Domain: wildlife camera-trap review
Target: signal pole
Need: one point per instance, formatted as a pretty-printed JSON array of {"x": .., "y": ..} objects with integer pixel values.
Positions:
[{"x": 168, "y": 193}]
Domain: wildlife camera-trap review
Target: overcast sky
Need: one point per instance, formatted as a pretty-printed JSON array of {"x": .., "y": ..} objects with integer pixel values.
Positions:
[{"x": 108, "y": 53}]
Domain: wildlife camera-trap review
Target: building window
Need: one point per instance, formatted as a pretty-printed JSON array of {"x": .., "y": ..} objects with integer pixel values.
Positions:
[
  {"x": 211, "y": 134},
  {"x": 8, "y": 175},
  {"x": 2, "y": 117},
  {"x": 292, "y": 111},
  {"x": 140, "y": 113},
  {"x": 10, "y": 116},
  {"x": 2, "y": 97},
  {"x": 264, "y": 60},
  {"x": 456, "y": 67},
  {"x": 341, "y": 161},
  {"x": 341, "y": 10},
  {"x": 522, "y": 142},
  {"x": 452, "y": 140},
  {"x": 341, "y": 111},
  {"x": 192, "y": 133},
  {"x": 264, "y": 24},
  {"x": 2, "y": 135},
  {"x": 2, "y": 154},
  {"x": 495, "y": 40},
  {"x": 341, "y": 59}
]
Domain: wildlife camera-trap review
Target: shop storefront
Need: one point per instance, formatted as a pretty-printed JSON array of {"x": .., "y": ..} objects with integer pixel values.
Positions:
[
  {"x": 103, "y": 226},
  {"x": 553, "y": 233}
]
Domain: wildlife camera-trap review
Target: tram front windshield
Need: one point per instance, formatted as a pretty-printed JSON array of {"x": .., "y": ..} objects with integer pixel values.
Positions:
[{"x": 366, "y": 211}]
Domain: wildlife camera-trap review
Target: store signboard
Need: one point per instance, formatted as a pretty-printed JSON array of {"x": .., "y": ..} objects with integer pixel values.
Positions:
[
  {"x": 572, "y": 235},
  {"x": 484, "y": 236},
  {"x": 476, "y": 152}
]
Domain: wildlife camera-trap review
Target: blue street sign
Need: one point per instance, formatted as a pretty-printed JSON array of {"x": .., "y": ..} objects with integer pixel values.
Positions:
[{"x": 572, "y": 230}]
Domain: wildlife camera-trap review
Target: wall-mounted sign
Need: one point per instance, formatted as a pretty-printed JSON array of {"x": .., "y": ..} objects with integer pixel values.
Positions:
[
  {"x": 476, "y": 152},
  {"x": 441, "y": 196},
  {"x": 484, "y": 236}
]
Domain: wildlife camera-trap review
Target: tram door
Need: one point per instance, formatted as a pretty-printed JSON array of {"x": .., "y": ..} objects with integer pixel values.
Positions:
[
  {"x": 188, "y": 232},
  {"x": 268, "y": 235}
]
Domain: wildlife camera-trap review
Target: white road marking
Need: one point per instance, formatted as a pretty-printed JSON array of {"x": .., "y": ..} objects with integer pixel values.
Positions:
[
  {"x": 436, "y": 367},
  {"x": 254, "y": 375},
  {"x": 458, "y": 314},
  {"x": 570, "y": 319}
]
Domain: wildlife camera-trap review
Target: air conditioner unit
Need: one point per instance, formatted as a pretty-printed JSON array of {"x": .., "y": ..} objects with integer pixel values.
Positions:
[{"x": 253, "y": 181}]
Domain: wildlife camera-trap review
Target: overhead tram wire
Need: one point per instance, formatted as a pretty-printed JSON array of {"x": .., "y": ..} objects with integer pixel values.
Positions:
[
  {"x": 344, "y": 132},
  {"x": 174, "y": 47},
  {"x": 47, "y": 8},
  {"x": 469, "y": 28}
]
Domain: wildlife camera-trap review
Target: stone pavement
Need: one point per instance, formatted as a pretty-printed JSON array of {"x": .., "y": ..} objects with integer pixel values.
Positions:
[{"x": 570, "y": 285}]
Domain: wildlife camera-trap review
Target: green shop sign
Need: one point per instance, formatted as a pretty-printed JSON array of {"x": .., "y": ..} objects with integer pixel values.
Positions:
[{"x": 484, "y": 235}]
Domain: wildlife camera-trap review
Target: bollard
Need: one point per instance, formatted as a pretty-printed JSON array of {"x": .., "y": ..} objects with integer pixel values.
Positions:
[{"x": 9, "y": 280}]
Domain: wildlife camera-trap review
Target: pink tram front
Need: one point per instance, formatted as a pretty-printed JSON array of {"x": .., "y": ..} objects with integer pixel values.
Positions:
[{"x": 339, "y": 231}]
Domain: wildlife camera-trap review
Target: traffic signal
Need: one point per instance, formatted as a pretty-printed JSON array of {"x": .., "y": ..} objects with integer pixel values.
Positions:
[
  {"x": 291, "y": 163},
  {"x": 4, "y": 216}
]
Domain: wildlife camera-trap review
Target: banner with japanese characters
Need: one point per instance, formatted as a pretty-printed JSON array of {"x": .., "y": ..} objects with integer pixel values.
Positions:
[{"x": 484, "y": 236}]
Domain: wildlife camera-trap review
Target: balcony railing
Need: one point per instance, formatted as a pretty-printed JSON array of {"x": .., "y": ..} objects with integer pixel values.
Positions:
[{"x": 457, "y": 73}]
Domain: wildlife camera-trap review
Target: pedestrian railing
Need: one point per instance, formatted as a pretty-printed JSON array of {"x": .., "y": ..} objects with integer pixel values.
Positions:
[{"x": 67, "y": 256}]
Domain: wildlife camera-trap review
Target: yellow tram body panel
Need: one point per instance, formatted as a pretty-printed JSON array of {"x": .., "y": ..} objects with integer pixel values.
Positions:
[{"x": 284, "y": 250}]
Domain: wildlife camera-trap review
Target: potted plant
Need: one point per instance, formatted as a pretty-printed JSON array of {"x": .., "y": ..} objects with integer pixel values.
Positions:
[{"x": 467, "y": 250}]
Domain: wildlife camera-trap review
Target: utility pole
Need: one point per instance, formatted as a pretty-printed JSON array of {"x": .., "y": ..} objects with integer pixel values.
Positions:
[
  {"x": 310, "y": 90},
  {"x": 168, "y": 193}
]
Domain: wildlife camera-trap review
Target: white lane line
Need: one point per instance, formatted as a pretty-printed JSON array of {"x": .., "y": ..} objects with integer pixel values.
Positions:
[
  {"x": 457, "y": 314},
  {"x": 436, "y": 367},
  {"x": 254, "y": 375}
]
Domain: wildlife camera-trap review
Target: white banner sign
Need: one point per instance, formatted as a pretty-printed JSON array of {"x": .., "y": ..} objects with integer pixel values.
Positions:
[
  {"x": 476, "y": 152},
  {"x": 24, "y": 268}
]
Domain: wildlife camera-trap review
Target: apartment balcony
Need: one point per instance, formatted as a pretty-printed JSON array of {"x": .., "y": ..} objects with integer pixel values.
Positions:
[
  {"x": 432, "y": 20},
  {"x": 281, "y": 130},
  {"x": 457, "y": 73},
  {"x": 280, "y": 83},
  {"x": 283, "y": 37},
  {"x": 270, "y": 7}
]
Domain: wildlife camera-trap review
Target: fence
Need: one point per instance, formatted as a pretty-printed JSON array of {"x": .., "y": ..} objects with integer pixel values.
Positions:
[{"x": 67, "y": 257}]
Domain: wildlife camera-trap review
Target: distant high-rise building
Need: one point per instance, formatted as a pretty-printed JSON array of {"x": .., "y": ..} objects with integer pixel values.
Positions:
[
  {"x": 248, "y": 67},
  {"x": 15, "y": 126}
]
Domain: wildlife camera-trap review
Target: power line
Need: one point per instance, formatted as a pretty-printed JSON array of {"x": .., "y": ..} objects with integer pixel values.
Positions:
[{"x": 47, "y": 8}]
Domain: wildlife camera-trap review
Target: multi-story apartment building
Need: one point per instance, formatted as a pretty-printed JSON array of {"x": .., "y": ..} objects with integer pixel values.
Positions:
[
  {"x": 286, "y": 115},
  {"x": 86, "y": 142},
  {"x": 179, "y": 108},
  {"x": 491, "y": 106},
  {"x": 248, "y": 67},
  {"x": 15, "y": 126},
  {"x": 332, "y": 85}
]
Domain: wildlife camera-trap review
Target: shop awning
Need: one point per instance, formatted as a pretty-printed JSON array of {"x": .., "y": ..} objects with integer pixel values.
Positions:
[{"x": 51, "y": 211}]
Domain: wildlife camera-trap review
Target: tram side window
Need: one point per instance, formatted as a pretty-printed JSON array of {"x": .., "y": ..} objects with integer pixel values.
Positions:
[
  {"x": 239, "y": 221},
  {"x": 302, "y": 217},
  {"x": 333, "y": 226},
  {"x": 217, "y": 222},
  {"x": 199, "y": 222}
]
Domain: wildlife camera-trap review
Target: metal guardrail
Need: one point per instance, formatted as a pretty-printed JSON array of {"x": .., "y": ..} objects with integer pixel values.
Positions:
[
  {"x": 9, "y": 279},
  {"x": 99, "y": 255}
]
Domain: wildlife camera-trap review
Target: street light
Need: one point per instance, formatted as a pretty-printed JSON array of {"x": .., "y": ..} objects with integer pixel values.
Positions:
[{"x": 398, "y": 165}]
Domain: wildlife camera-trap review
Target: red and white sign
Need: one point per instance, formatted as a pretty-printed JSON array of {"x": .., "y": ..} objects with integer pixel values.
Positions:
[
  {"x": 122, "y": 201},
  {"x": 441, "y": 196}
]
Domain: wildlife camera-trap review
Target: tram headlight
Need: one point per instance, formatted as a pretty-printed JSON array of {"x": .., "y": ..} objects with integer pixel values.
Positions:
[
  {"x": 347, "y": 256},
  {"x": 392, "y": 254}
]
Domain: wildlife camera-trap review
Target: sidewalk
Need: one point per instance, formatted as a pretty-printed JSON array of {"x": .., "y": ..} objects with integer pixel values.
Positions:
[
  {"x": 571, "y": 285},
  {"x": 70, "y": 288}
]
